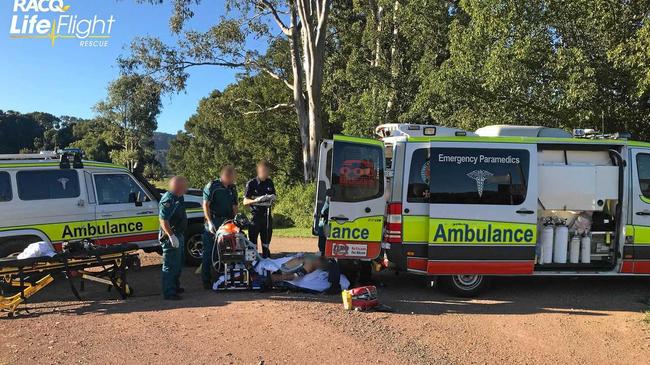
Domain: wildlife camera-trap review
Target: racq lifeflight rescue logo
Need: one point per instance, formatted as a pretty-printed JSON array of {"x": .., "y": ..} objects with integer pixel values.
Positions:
[{"x": 54, "y": 20}]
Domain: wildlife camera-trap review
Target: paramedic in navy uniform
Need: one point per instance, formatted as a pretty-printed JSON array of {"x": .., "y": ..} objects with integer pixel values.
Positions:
[{"x": 259, "y": 196}]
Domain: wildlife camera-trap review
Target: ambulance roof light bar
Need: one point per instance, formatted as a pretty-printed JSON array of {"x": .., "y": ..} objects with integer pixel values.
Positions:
[
  {"x": 418, "y": 130},
  {"x": 43, "y": 155},
  {"x": 590, "y": 133}
]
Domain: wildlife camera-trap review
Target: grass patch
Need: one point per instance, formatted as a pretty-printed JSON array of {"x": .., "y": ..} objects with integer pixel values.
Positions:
[
  {"x": 292, "y": 232},
  {"x": 646, "y": 316}
]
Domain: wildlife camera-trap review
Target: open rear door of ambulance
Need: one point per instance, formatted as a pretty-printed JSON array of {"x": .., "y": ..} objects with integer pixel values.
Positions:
[{"x": 357, "y": 202}]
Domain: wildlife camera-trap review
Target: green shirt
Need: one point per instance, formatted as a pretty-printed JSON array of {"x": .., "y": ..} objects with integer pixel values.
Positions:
[
  {"x": 172, "y": 209},
  {"x": 222, "y": 199}
]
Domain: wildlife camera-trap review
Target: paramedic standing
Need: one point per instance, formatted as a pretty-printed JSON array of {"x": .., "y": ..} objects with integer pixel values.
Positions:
[
  {"x": 260, "y": 195},
  {"x": 219, "y": 205},
  {"x": 173, "y": 222}
]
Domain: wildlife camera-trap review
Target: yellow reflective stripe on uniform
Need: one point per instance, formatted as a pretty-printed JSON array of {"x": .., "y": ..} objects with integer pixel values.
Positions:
[
  {"x": 415, "y": 228},
  {"x": 94, "y": 228},
  {"x": 461, "y": 231},
  {"x": 364, "y": 229},
  {"x": 340, "y": 138}
]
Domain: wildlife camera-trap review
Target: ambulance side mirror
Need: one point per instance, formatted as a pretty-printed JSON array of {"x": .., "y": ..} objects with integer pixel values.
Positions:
[{"x": 136, "y": 198}]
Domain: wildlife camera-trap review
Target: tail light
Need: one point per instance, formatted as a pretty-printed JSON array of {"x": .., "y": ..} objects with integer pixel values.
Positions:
[{"x": 393, "y": 232}]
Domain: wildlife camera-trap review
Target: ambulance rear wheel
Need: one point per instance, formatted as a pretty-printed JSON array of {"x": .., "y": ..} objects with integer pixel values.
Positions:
[{"x": 466, "y": 286}]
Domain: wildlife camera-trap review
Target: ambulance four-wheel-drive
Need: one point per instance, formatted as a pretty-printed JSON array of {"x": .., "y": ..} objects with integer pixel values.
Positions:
[
  {"x": 57, "y": 197},
  {"x": 503, "y": 200}
]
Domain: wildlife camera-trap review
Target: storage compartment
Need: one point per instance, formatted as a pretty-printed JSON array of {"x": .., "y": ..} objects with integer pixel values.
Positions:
[
  {"x": 578, "y": 209},
  {"x": 577, "y": 188}
]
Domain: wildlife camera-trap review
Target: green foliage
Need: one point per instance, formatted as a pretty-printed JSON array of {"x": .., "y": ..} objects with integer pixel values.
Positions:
[
  {"x": 19, "y": 132},
  {"x": 130, "y": 110},
  {"x": 295, "y": 206},
  {"x": 557, "y": 64},
  {"x": 94, "y": 138},
  {"x": 235, "y": 128},
  {"x": 153, "y": 172}
]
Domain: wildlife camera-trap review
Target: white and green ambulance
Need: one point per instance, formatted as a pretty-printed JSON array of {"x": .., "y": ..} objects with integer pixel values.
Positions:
[
  {"x": 503, "y": 200},
  {"x": 55, "y": 197}
]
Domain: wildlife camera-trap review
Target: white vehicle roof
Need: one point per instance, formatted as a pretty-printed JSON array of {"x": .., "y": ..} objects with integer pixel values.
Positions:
[{"x": 504, "y": 130}]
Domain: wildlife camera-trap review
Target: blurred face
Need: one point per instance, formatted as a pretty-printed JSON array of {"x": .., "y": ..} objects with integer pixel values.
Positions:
[
  {"x": 262, "y": 172},
  {"x": 178, "y": 185},
  {"x": 228, "y": 177}
]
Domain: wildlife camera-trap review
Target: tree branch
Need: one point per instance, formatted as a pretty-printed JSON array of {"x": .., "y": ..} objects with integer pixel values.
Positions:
[
  {"x": 263, "y": 109},
  {"x": 266, "y": 4}
]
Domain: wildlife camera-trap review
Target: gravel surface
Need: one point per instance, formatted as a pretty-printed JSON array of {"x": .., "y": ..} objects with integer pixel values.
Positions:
[{"x": 519, "y": 321}]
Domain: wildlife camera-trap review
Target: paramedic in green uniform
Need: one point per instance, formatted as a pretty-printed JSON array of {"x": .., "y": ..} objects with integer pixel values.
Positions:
[
  {"x": 173, "y": 222},
  {"x": 219, "y": 205}
]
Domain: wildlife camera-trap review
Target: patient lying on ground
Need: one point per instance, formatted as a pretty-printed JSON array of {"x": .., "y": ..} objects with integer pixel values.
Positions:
[{"x": 302, "y": 272}]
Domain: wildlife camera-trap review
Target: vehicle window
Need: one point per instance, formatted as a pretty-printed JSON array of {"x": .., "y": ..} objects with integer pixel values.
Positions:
[
  {"x": 5, "y": 187},
  {"x": 117, "y": 189},
  {"x": 47, "y": 184},
  {"x": 478, "y": 176},
  {"x": 643, "y": 170},
  {"x": 419, "y": 177},
  {"x": 357, "y": 172}
]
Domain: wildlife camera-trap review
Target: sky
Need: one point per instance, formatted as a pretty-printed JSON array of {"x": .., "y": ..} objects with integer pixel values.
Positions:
[{"x": 66, "y": 79}]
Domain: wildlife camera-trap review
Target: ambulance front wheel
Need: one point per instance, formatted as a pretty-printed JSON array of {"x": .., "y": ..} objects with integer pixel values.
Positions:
[
  {"x": 194, "y": 244},
  {"x": 465, "y": 285}
]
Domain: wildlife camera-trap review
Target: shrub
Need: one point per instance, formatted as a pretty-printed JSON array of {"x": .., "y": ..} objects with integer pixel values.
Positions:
[{"x": 295, "y": 205}]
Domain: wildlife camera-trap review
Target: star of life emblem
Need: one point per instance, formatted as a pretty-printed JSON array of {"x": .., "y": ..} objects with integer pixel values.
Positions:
[
  {"x": 479, "y": 176},
  {"x": 64, "y": 182}
]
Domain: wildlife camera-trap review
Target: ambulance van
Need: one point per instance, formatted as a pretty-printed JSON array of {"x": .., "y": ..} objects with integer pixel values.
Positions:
[
  {"x": 57, "y": 197},
  {"x": 505, "y": 200}
]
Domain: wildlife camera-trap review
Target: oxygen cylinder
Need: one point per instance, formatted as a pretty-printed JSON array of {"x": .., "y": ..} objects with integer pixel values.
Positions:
[
  {"x": 560, "y": 244},
  {"x": 574, "y": 250},
  {"x": 585, "y": 249},
  {"x": 547, "y": 244}
]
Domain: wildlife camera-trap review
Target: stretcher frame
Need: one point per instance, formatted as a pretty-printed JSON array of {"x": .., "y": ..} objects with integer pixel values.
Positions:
[{"x": 31, "y": 276}]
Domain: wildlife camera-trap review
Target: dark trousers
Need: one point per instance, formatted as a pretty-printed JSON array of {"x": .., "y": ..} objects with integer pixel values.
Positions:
[
  {"x": 264, "y": 230},
  {"x": 172, "y": 265},
  {"x": 206, "y": 259}
]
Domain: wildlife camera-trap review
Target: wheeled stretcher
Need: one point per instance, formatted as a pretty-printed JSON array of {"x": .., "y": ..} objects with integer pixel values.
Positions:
[{"x": 20, "y": 279}]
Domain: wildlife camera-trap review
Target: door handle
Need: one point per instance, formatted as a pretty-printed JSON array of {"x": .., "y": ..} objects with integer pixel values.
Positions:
[
  {"x": 106, "y": 215},
  {"x": 645, "y": 212},
  {"x": 525, "y": 211},
  {"x": 146, "y": 212},
  {"x": 340, "y": 219}
]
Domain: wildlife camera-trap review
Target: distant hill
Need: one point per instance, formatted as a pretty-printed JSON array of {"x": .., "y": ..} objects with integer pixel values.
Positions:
[{"x": 161, "y": 142}]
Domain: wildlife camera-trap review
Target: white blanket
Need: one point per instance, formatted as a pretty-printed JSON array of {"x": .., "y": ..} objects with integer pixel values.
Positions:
[
  {"x": 316, "y": 280},
  {"x": 37, "y": 249}
]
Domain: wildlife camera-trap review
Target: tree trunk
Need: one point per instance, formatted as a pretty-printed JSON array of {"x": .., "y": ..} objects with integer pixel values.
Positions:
[{"x": 308, "y": 75}]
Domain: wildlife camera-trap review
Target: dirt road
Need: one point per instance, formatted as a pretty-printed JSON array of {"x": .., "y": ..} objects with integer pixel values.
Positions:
[{"x": 520, "y": 321}]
